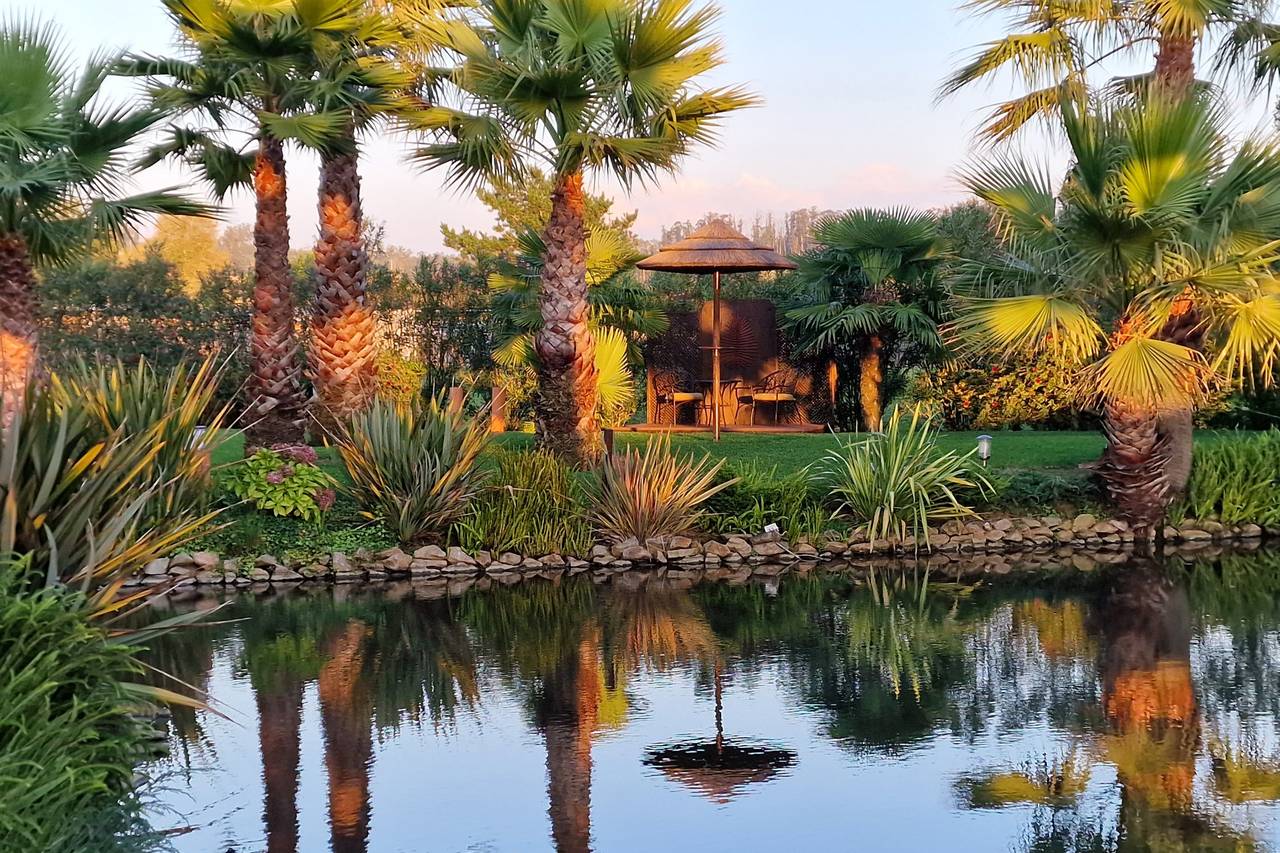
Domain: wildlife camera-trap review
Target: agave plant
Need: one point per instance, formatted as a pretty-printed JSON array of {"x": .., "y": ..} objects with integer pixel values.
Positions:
[
  {"x": 897, "y": 482},
  {"x": 653, "y": 493},
  {"x": 412, "y": 467}
]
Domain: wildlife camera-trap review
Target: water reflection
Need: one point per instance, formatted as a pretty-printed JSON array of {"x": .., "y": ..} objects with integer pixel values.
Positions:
[{"x": 1131, "y": 709}]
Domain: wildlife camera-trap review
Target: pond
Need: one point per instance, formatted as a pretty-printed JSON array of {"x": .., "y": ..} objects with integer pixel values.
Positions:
[{"x": 1133, "y": 707}]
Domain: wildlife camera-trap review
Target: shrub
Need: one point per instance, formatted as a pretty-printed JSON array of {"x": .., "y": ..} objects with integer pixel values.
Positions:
[
  {"x": 653, "y": 493},
  {"x": 760, "y": 496},
  {"x": 532, "y": 504},
  {"x": 68, "y": 742},
  {"x": 285, "y": 481},
  {"x": 1235, "y": 479},
  {"x": 412, "y": 467},
  {"x": 897, "y": 482},
  {"x": 400, "y": 379},
  {"x": 1041, "y": 491},
  {"x": 181, "y": 401},
  {"x": 75, "y": 498},
  {"x": 1034, "y": 392}
]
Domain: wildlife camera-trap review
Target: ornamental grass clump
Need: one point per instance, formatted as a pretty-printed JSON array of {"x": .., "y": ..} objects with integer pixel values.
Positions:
[
  {"x": 68, "y": 737},
  {"x": 894, "y": 484},
  {"x": 1235, "y": 479},
  {"x": 532, "y": 504},
  {"x": 651, "y": 493},
  {"x": 413, "y": 467}
]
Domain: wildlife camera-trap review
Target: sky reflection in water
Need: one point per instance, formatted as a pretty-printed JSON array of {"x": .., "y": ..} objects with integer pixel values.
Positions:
[{"x": 1129, "y": 709}]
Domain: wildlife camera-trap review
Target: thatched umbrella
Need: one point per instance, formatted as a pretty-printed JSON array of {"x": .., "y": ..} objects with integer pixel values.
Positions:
[
  {"x": 720, "y": 769},
  {"x": 715, "y": 248}
]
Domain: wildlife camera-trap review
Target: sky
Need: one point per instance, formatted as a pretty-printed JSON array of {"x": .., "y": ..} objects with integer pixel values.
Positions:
[{"x": 848, "y": 120}]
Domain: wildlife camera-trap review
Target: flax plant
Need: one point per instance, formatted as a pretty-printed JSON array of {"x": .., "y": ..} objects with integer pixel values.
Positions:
[
  {"x": 896, "y": 483},
  {"x": 644, "y": 494},
  {"x": 412, "y": 467}
]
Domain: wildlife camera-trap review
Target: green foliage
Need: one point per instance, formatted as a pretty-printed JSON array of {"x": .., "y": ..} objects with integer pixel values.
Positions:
[
  {"x": 79, "y": 500},
  {"x": 413, "y": 468},
  {"x": 285, "y": 481},
  {"x": 898, "y": 482},
  {"x": 249, "y": 533},
  {"x": 1235, "y": 479},
  {"x": 759, "y": 495},
  {"x": 532, "y": 504},
  {"x": 182, "y": 401},
  {"x": 63, "y": 154},
  {"x": 400, "y": 379},
  {"x": 1041, "y": 491},
  {"x": 102, "y": 310},
  {"x": 653, "y": 493},
  {"x": 1038, "y": 391},
  {"x": 68, "y": 740}
]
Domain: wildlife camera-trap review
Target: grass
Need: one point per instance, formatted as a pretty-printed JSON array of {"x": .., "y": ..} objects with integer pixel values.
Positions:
[{"x": 1057, "y": 452}]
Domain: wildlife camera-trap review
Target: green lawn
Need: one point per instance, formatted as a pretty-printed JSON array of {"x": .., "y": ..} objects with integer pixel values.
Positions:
[
  {"x": 1013, "y": 450},
  {"x": 1047, "y": 451}
]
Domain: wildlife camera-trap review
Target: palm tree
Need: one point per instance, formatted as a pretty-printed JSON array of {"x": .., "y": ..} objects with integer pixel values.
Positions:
[
  {"x": 873, "y": 295},
  {"x": 63, "y": 176},
  {"x": 579, "y": 88},
  {"x": 249, "y": 71},
  {"x": 622, "y": 315},
  {"x": 1158, "y": 213},
  {"x": 375, "y": 70},
  {"x": 1053, "y": 48}
]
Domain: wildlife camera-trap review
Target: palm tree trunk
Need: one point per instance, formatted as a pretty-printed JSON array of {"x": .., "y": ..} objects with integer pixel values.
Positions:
[
  {"x": 343, "y": 353},
  {"x": 279, "y": 721},
  {"x": 348, "y": 739},
  {"x": 1176, "y": 64},
  {"x": 276, "y": 399},
  {"x": 18, "y": 324},
  {"x": 870, "y": 382},
  {"x": 566, "y": 349},
  {"x": 1133, "y": 466}
]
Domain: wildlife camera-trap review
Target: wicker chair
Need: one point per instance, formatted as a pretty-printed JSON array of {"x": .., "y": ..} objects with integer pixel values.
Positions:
[
  {"x": 778, "y": 389},
  {"x": 667, "y": 394}
]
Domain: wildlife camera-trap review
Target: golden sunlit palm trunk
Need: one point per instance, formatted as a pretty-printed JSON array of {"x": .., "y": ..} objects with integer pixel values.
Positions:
[
  {"x": 343, "y": 353},
  {"x": 18, "y": 323},
  {"x": 275, "y": 390},
  {"x": 870, "y": 381},
  {"x": 279, "y": 721},
  {"x": 1133, "y": 465},
  {"x": 348, "y": 739},
  {"x": 566, "y": 349}
]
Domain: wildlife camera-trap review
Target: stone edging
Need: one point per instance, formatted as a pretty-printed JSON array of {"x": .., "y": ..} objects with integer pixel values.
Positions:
[{"x": 992, "y": 535}]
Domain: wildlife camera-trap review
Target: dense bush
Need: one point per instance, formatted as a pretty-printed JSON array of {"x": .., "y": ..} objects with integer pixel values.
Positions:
[
  {"x": 103, "y": 309},
  {"x": 1041, "y": 491},
  {"x": 532, "y": 504},
  {"x": 643, "y": 494},
  {"x": 413, "y": 468},
  {"x": 1235, "y": 479},
  {"x": 998, "y": 395},
  {"x": 68, "y": 743},
  {"x": 898, "y": 482},
  {"x": 284, "y": 480}
]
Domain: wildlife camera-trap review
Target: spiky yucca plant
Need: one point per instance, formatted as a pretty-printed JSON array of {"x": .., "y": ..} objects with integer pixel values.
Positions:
[
  {"x": 412, "y": 467},
  {"x": 651, "y": 493},
  {"x": 897, "y": 482}
]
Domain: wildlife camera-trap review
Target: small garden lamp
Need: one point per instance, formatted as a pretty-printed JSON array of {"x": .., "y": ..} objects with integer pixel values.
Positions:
[{"x": 984, "y": 449}]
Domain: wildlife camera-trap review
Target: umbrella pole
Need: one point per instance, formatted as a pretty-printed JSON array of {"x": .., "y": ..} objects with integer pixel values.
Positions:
[{"x": 715, "y": 356}]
